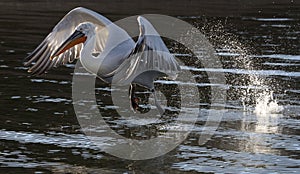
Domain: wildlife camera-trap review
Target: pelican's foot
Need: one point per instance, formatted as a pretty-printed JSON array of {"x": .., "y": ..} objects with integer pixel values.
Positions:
[
  {"x": 139, "y": 99},
  {"x": 134, "y": 103}
]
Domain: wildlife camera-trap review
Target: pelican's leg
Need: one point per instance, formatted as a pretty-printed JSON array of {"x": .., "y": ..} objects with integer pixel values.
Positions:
[
  {"x": 157, "y": 104},
  {"x": 133, "y": 99}
]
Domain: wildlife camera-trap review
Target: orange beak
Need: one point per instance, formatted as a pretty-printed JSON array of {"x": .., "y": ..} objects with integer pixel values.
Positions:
[{"x": 76, "y": 38}]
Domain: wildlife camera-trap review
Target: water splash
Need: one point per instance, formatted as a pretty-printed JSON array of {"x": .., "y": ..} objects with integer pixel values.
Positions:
[
  {"x": 266, "y": 104},
  {"x": 255, "y": 96}
]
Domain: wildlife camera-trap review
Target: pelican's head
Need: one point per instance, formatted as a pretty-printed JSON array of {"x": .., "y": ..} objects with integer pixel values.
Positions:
[
  {"x": 87, "y": 28},
  {"x": 81, "y": 34}
]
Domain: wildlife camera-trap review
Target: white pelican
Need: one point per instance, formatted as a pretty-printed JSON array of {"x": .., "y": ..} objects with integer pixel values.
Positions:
[{"x": 106, "y": 50}]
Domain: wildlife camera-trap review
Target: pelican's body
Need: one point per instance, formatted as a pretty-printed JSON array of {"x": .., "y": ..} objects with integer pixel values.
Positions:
[{"x": 105, "y": 49}]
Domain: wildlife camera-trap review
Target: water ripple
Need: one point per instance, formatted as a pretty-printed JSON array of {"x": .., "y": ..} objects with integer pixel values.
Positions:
[{"x": 203, "y": 159}]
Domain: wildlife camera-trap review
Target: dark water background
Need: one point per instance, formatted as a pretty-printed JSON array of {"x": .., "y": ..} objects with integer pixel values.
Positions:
[{"x": 258, "y": 43}]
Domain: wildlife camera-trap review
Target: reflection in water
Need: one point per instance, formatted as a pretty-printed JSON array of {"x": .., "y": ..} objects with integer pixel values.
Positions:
[
  {"x": 264, "y": 121},
  {"x": 258, "y": 128}
]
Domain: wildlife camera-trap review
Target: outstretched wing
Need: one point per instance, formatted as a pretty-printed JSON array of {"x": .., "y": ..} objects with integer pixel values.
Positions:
[
  {"x": 40, "y": 57},
  {"x": 149, "y": 59}
]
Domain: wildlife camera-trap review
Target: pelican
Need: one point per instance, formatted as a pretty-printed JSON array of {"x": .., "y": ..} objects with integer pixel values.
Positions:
[{"x": 106, "y": 50}]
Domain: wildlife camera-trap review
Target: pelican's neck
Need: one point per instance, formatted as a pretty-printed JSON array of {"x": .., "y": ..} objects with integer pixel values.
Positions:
[{"x": 90, "y": 62}]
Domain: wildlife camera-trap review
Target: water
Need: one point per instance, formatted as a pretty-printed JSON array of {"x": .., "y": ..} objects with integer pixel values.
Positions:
[{"x": 259, "y": 132}]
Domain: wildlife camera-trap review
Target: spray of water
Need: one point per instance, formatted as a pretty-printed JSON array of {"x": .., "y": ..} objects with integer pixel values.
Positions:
[
  {"x": 266, "y": 104},
  {"x": 252, "y": 91}
]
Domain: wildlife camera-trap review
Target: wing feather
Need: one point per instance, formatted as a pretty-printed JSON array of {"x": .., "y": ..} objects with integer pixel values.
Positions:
[
  {"x": 40, "y": 57},
  {"x": 149, "y": 59}
]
